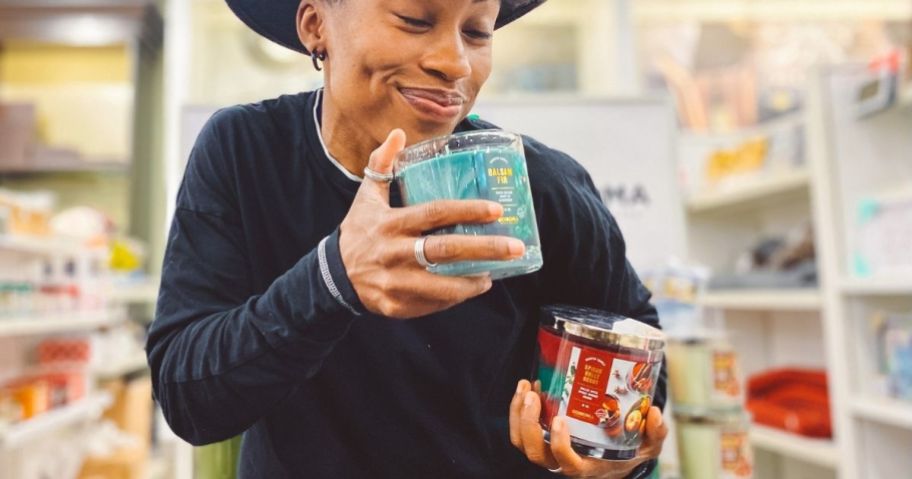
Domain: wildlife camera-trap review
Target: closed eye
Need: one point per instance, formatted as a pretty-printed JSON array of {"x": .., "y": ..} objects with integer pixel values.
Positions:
[
  {"x": 478, "y": 34},
  {"x": 414, "y": 22}
]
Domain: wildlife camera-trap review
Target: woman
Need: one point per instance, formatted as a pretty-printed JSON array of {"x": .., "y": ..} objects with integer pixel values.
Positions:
[{"x": 288, "y": 278}]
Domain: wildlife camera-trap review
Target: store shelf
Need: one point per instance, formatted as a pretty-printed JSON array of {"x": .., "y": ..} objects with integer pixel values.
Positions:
[
  {"x": 821, "y": 452},
  {"x": 130, "y": 364},
  {"x": 139, "y": 292},
  {"x": 759, "y": 189},
  {"x": 59, "y": 323},
  {"x": 877, "y": 286},
  {"x": 45, "y": 245},
  {"x": 84, "y": 409},
  {"x": 892, "y": 412},
  {"x": 763, "y": 300},
  {"x": 770, "y": 10}
]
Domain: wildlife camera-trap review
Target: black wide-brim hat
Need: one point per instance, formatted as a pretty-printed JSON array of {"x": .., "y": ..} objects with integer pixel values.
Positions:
[{"x": 275, "y": 19}]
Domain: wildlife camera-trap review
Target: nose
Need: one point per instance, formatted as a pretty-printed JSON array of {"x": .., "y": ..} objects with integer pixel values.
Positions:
[{"x": 446, "y": 58}]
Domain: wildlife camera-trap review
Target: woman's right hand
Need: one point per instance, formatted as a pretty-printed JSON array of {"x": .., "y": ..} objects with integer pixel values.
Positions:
[{"x": 377, "y": 246}]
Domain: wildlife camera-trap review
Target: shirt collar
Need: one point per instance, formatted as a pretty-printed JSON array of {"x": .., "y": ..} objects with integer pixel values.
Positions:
[{"x": 317, "y": 110}]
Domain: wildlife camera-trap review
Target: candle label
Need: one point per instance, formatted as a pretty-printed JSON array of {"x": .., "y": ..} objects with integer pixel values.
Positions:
[
  {"x": 605, "y": 396},
  {"x": 725, "y": 375},
  {"x": 735, "y": 454},
  {"x": 504, "y": 179}
]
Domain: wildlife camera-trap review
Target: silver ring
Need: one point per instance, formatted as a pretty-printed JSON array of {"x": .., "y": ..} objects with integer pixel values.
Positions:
[
  {"x": 378, "y": 177},
  {"x": 419, "y": 253},
  {"x": 557, "y": 471}
]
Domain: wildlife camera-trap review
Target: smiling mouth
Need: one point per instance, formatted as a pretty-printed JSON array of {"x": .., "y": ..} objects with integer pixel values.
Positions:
[
  {"x": 434, "y": 104},
  {"x": 443, "y": 98}
]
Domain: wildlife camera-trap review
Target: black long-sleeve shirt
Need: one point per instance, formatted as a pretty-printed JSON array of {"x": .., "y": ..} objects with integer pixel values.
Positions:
[{"x": 259, "y": 331}]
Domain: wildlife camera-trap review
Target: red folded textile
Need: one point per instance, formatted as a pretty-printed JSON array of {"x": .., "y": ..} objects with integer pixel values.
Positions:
[{"x": 795, "y": 400}]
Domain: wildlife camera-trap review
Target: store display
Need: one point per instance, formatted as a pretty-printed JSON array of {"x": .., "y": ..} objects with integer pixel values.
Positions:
[
  {"x": 776, "y": 262},
  {"x": 675, "y": 288},
  {"x": 714, "y": 446},
  {"x": 485, "y": 164},
  {"x": 703, "y": 375},
  {"x": 884, "y": 233},
  {"x": 893, "y": 349},
  {"x": 600, "y": 371},
  {"x": 26, "y": 212},
  {"x": 793, "y": 400}
]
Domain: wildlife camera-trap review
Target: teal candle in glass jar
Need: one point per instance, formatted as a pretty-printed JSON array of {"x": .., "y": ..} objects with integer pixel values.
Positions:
[{"x": 486, "y": 165}]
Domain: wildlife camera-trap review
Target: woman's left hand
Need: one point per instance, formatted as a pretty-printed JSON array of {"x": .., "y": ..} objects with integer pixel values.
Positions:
[{"x": 527, "y": 435}]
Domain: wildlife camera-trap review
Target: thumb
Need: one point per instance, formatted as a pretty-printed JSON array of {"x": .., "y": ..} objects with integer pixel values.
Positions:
[{"x": 382, "y": 160}]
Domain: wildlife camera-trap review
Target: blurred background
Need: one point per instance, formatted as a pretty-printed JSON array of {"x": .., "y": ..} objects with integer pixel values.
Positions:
[{"x": 757, "y": 154}]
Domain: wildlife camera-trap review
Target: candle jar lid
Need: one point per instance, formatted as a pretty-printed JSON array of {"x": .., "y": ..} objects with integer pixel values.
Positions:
[
  {"x": 457, "y": 142},
  {"x": 603, "y": 327}
]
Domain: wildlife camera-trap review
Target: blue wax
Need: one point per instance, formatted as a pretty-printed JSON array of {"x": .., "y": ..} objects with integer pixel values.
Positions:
[{"x": 491, "y": 173}]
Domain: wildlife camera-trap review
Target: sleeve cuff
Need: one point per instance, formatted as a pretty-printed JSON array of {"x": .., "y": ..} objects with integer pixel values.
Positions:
[{"x": 335, "y": 278}]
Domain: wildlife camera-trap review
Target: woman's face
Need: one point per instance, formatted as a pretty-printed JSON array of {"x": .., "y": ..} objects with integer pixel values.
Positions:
[{"x": 415, "y": 65}]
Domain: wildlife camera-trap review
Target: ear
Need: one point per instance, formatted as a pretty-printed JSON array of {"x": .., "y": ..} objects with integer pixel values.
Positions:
[{"x": 309, "y": 21}]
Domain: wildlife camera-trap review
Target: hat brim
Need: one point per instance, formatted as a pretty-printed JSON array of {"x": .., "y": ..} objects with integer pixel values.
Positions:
[{"x": 275, "y": 19}]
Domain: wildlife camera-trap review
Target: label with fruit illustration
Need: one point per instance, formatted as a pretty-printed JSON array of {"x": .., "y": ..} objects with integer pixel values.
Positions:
[
  {"x": 735, "y": 455},
  {"x": 605, "y": 399},
  {"x": 725, "y": 375}
]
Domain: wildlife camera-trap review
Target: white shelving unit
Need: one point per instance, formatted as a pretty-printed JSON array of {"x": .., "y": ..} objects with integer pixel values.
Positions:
[
  {"x": 852, "y": 157},
  {"x": 756, "y": 190},
  {"x": 145, "y": 291},
  {"x": 815, "y": 451},
  {"x": 763, "y": 300},
  {"x": 86, "y": 409},
  {"x": 60, "y": 322},
  {"x": 130, "y": 364},
  {"x": 770, "y": 10},
  {"x": 884, "y": 410}
]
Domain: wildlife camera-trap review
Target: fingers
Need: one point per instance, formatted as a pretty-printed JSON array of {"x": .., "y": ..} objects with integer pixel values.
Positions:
[
  {"x": 515, "y": 411},
  {"x": 656, "y": 431},
  {"x": 436, "y": 214},
  {"x": 454, "y": 248},
  {"x": 531, "y": 433},
  {"x": 570, "y": 462},
  {"x": 382, "y": 160}
]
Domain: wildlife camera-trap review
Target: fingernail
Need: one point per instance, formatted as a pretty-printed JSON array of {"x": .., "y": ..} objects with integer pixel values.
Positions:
[
  {"x": 495, "y": 209},
  {"x": 516, "y": 247},
  {"x": 519, "y": 387},
  {"x": 528, "y": 400}
]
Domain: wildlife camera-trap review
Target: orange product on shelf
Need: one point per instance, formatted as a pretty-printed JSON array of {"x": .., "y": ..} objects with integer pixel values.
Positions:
[
  {"x": 795, "y": 400},
  {"x": 33, "y": 397},
  {"x": 64, "y": 350}
]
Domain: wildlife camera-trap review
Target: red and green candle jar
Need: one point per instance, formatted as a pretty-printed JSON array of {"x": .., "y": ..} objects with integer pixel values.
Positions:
[
  {"x": 483, "y": 164},
  {"x": 598, "y": 370}
]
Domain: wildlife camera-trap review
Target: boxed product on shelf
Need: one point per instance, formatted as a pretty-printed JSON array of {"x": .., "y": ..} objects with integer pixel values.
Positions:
[
  {"x": 26, "y": 212},
  {"x": 884, "y": 233},
  {"x": 794, "y": 400},
  {"x": 893, "y": 346},
  {"x": 722, "y": 161},
  {"x": 675, "y": 288}
]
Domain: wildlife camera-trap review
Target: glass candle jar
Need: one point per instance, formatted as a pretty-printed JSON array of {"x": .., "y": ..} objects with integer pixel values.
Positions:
[
  {"x": 483, "y": 164},
  {"x": 600, "y": 371},
  {"x": 714, "y": 445},
  {"x": 703, "y": 374}
]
